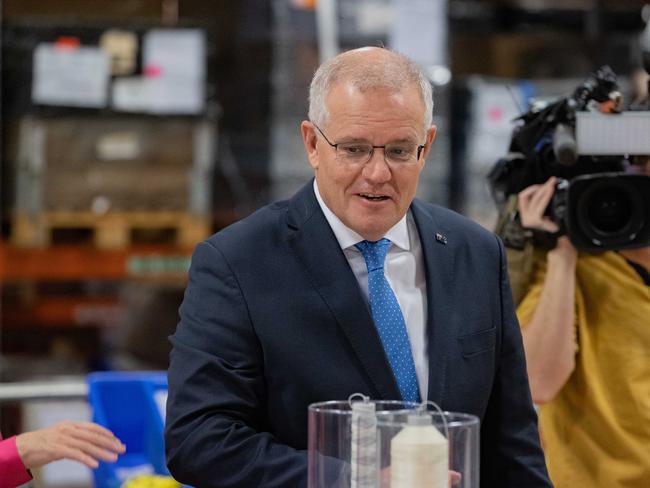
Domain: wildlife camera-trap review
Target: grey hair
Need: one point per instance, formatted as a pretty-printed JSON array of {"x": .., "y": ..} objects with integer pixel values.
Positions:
[{"x": 393, "y": 73}]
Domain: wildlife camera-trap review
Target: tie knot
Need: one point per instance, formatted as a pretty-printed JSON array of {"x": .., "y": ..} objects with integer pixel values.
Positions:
[{"x": 374, "y": 252}]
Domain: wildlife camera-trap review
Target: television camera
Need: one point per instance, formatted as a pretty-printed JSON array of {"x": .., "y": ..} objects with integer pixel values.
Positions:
[{"x": 587, "y": 141}]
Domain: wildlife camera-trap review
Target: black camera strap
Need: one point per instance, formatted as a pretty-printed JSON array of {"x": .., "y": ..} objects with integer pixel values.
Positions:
[{"x": 645, "y": 275}]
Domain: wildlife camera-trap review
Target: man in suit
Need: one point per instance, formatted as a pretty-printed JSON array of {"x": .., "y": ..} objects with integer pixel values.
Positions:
[{"x": 350, "y": 286}]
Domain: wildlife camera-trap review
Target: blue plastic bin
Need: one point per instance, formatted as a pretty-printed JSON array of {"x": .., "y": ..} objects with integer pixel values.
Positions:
[{"x": 131, "y": 404}]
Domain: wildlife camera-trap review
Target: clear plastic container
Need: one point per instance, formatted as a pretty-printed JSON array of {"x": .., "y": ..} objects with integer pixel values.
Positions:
[{"x": 392, "y": 444}]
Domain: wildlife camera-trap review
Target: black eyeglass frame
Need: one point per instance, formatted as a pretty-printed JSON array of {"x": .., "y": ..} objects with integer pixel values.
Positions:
[{"x": 335, "y": 146}]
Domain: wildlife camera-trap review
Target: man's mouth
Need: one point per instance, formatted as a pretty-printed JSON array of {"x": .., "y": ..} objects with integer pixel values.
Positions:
[{"x": 373, "y": 197}]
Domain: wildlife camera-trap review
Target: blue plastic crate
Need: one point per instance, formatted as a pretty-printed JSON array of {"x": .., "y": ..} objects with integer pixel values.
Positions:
[{"x": 131, "y": 405}]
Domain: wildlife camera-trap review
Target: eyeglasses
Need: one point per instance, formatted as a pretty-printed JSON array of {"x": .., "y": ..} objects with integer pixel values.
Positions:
[{"x": 396, "y": 153}]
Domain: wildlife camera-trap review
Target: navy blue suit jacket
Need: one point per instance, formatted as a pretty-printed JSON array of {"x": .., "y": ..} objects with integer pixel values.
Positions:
[{"x": 273, "y": 319}]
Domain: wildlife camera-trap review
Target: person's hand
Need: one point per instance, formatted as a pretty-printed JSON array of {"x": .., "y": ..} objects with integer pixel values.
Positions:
[
  {"x": 454, "y": 477},
  {"x": 532, "y": 202},
  {"x": 84, "y": 442}
]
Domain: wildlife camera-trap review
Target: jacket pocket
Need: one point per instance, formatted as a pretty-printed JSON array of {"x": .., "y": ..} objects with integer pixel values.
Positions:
[{"x": 478, "y": 342}]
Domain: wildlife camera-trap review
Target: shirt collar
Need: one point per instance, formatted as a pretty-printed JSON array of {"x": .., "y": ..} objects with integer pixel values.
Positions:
[{"x": 347, "y": 238}]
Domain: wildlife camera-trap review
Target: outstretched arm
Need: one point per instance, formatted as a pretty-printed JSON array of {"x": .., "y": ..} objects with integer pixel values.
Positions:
[
  {"x": 216, "y": 410},
  {"x": 549, "y": 335},
  {"x": 84, "y": 442}
]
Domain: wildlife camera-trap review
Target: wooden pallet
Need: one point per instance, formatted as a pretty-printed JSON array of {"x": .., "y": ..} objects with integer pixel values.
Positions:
[{"x": 114, "y": 230}]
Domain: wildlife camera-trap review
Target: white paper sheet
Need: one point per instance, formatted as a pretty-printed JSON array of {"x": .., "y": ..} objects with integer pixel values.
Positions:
[
  {"x": 174, "y": 65},
  {"x": 70, "y": 76},
  {"x": 419, "y": 30}
]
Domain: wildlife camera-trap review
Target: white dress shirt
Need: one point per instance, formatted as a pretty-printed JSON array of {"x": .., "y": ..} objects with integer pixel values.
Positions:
[{"x": 404, "y": 270}]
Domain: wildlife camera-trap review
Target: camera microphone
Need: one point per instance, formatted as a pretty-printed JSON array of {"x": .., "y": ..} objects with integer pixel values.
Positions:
[{"x": 564, "y": 145}]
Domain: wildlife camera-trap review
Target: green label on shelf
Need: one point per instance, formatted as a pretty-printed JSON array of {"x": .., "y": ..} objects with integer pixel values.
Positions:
[{"x": 152, "y": 265}]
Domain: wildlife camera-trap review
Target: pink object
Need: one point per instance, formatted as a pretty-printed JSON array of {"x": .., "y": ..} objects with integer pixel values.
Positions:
[
  {"x": 12, "y": 470},
  {"x": 495, "y": 114},
  {"x": 152, "y": 71}
]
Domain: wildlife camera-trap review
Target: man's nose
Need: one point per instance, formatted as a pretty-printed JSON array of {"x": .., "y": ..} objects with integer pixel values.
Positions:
[{"x": 377, "y": 169}]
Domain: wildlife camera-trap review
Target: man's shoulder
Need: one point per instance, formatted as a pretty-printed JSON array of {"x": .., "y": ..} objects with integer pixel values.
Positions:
[
  {"x": 255, "y": 229},
  {"x": 450, "y": 221}
]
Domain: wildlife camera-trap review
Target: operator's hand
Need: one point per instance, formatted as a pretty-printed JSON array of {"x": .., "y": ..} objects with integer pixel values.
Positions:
[
  {"x": 84, "y": 442},
  {"x": 532, "y": 202},
  {"x": 454, "y": 477}
]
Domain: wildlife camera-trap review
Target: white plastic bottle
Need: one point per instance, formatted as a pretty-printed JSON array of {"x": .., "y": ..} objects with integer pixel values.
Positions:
[{"x": 419, "y": 456}]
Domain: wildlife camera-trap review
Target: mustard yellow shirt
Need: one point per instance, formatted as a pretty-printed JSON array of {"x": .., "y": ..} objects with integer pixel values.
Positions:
[{"x": 596, "y": 431}]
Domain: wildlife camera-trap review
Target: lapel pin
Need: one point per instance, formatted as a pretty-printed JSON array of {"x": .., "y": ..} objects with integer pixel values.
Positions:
[{"x": 441, "y": 238}]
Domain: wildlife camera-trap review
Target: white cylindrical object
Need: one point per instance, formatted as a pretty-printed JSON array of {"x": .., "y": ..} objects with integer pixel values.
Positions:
[
  {"x": 364, "y": 458},
  {"x": 327, "y": 25},
  {"x": 419, "y": 457}
]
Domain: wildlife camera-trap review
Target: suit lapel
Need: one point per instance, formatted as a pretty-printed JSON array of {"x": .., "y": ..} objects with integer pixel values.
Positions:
[
  {"x": 438, "y": 250},
  {"x": 315, "y": 245}
]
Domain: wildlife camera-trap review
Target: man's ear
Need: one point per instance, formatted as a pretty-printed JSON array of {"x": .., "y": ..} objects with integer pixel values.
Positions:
[
  {"x": 309, "y": 139},
  {"x": 431, "y": 136}
]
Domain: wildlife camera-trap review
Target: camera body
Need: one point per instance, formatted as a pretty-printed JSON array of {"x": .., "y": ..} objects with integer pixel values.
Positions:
[{"x": 596, "y": 204}]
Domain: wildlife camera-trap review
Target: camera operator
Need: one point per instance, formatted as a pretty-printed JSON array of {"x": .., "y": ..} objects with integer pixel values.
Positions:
[{"x": 586, "y": 329}]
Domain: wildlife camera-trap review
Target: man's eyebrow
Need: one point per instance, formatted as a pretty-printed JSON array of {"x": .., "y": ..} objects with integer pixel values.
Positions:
[
  {"x": 404, "y": 139},
  {"x": 346, "y": 140}
]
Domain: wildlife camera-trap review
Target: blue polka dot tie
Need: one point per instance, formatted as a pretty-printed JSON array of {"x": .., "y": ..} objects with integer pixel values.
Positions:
[{"x": 389, "y": 319}]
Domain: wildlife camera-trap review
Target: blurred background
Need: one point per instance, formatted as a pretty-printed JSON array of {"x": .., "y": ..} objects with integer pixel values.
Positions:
[{"x": 132, "y": 129}]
